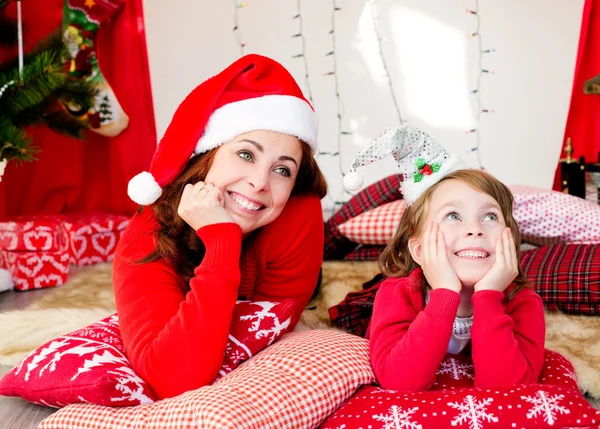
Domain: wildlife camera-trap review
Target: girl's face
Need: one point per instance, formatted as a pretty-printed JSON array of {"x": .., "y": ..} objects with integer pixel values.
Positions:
[
  {"x": 256, "y": 172},
  {"x": 471, "y": 222}
]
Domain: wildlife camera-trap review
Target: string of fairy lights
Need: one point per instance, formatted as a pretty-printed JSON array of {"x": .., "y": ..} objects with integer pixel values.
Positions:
[
  {"x": 333, "y": 73},
  {"x": 476, "y": 93},
  {"x": 380, "y": 40},
  {"x": 237, "y": 32},
  {"x": 302, "y": 54},
  {"x": 340, "y": 107}
]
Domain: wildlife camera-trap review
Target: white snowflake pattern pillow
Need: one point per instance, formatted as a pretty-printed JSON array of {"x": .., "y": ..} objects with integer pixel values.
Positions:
[
  {"x": 90, "y": 365},
  {"x": 553, "y": 403},
  {"x": 257, "y": 324}
]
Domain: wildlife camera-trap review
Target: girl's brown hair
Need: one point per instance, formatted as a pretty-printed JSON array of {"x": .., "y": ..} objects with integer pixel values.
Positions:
[
  {"x": 396, "y": 260},
  {"x": 178, "y": 242}
]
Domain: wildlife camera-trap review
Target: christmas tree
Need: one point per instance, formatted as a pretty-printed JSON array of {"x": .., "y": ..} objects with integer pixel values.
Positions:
[{"x": 42, "y": 93}]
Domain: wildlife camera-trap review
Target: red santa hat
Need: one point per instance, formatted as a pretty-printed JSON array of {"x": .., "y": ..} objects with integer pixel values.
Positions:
[{"x": 253, "y": 93}]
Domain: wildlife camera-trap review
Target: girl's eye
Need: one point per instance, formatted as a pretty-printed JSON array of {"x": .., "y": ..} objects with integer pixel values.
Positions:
[
  {"x": 490, "y": 216},
  {"x": 244, "y": 154},
  {"x": 452, "y": 216},
  {"x": 284, "y": 171}
]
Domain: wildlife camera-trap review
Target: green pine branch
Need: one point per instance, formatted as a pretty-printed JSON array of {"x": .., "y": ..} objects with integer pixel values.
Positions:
[
  {"x": 14, "y": 142},
  {"x": 44, "y": 95}
]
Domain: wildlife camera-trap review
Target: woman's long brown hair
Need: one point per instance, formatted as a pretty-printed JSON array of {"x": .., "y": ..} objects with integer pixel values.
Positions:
[
  {"x": 178, "y": 242},
  {"x": 396, "y": 260}
]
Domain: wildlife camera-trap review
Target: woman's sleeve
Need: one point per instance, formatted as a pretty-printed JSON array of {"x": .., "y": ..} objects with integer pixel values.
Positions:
[
  {"x": 176, "y": 341},
  {"x": 406, "y": 346},
  {"x": 294, "y": 255},
  {"x": 508, "y": 340}
]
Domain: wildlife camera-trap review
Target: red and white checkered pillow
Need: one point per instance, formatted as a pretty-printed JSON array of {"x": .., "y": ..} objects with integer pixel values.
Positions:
[
  {"x": 548, "y": 217},
  {"x": 90, "y": 365},
  {"x": 295, "y": 383},
  {"x": 554, "y": 403},
  {"x": 376, "y": 226}
]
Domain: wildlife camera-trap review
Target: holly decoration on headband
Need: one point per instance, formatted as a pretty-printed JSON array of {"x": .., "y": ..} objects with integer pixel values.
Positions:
[{"x": 424, "y": 169}]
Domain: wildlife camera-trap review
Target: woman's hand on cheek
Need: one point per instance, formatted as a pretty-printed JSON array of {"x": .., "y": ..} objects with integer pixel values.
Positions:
[
  {"x": 202, "y": 204},
  {"x": 505, "y": 267},
  {"x": 435, "y": 264}
]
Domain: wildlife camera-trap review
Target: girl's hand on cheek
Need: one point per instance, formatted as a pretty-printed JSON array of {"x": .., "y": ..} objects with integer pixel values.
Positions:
[
  {"x": 202, "y": 204},
  {"x": 505, "y": 267},
  {"x": 436, "y": 267}
]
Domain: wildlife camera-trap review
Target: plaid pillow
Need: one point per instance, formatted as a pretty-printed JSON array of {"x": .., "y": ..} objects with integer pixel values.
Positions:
[
  {"x": 384, "y": 191},
  {"x": 295, "y": 383},
  {"x": 354, "y": 313},
  {"x": 566, "y": 276},
  {"x": 376, "y": 226},
  {"x": 365, "y": 253}
]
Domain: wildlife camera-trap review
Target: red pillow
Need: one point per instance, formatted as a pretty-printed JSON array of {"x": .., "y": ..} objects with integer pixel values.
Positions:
[
  {"x": 566, "y": 276},
  {"x": 337, "y": 246},
  {"x": 255, "y": 325},
  {"x": 90, "y": 365},
  {"x": 376, "y": 226},
  {"x": 555, "y": 403}
]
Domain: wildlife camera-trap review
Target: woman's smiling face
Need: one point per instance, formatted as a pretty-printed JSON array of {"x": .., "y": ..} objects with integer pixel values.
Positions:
[{"x": 256, "y": 172}]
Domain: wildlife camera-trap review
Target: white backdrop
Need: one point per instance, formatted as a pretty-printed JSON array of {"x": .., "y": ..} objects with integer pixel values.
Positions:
[{"x": 433, "y": 66}]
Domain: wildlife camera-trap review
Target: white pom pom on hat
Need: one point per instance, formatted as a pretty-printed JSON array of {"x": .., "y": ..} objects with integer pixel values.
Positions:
[
  {"x": 353, "y": 181},
  {"x": 253, "y": 93},
  {"x": 143, "y": 189}
]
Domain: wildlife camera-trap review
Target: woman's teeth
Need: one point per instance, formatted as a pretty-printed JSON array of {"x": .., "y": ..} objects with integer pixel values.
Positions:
[{"x": 245, "y": 203}]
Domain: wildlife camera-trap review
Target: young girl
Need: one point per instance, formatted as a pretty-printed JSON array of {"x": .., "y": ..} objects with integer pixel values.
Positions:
[{"x": 453, "y": 278}]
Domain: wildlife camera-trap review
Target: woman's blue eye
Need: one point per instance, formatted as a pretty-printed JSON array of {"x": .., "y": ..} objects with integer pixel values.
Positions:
[
  {"x": 452, "y": 216},
  {"x": 490, "y": 216},
  {"x": 245, "y": 155}
]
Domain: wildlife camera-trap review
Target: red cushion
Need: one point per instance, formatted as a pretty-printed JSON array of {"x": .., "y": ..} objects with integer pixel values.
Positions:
[
  {"x": 296, "y": 383},
  {"x": 365, "y": 253},
  {"x": 384, "y": 191},
  {"x": 90, "y": 365},
  {"x": 566, "y": 276},
  {"x": 554, "y": 403}
]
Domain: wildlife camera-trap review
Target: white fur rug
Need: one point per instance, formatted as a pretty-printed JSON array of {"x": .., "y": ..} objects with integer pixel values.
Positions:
[{"x": 87, "y": 297}]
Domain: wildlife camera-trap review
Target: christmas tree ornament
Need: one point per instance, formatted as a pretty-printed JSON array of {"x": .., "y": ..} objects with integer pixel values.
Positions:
[
  {"x": 81, "y": 21},
  {"x": 421, "y": 160}
]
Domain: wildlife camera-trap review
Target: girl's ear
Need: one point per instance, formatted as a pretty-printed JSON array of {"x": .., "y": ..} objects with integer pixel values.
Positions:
[{"x": 416, "y": 250}]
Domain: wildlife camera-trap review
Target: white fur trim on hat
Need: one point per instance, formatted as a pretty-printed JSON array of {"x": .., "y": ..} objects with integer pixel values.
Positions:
[
  {"x": 412, "y": 190},
  {"x": 282, "y": 113},
  {"x": 143, "y": 189}
]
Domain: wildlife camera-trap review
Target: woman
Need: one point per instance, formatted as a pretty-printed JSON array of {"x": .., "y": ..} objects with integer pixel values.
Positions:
[{"x": 241, "y": 219}]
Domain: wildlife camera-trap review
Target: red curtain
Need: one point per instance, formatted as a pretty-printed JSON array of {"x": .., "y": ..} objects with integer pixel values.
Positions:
[
  {"x": 583, "y": 122},
  {"x": 85, "y": 176}
]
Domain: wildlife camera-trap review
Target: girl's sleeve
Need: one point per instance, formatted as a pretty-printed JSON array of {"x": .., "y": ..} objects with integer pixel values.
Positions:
[
  {"x": 294, "y": 254},
  {"x": 507, "y": 340},
  {"x": 406, "y": 347},
  {"x": 176, "y": 341}
]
